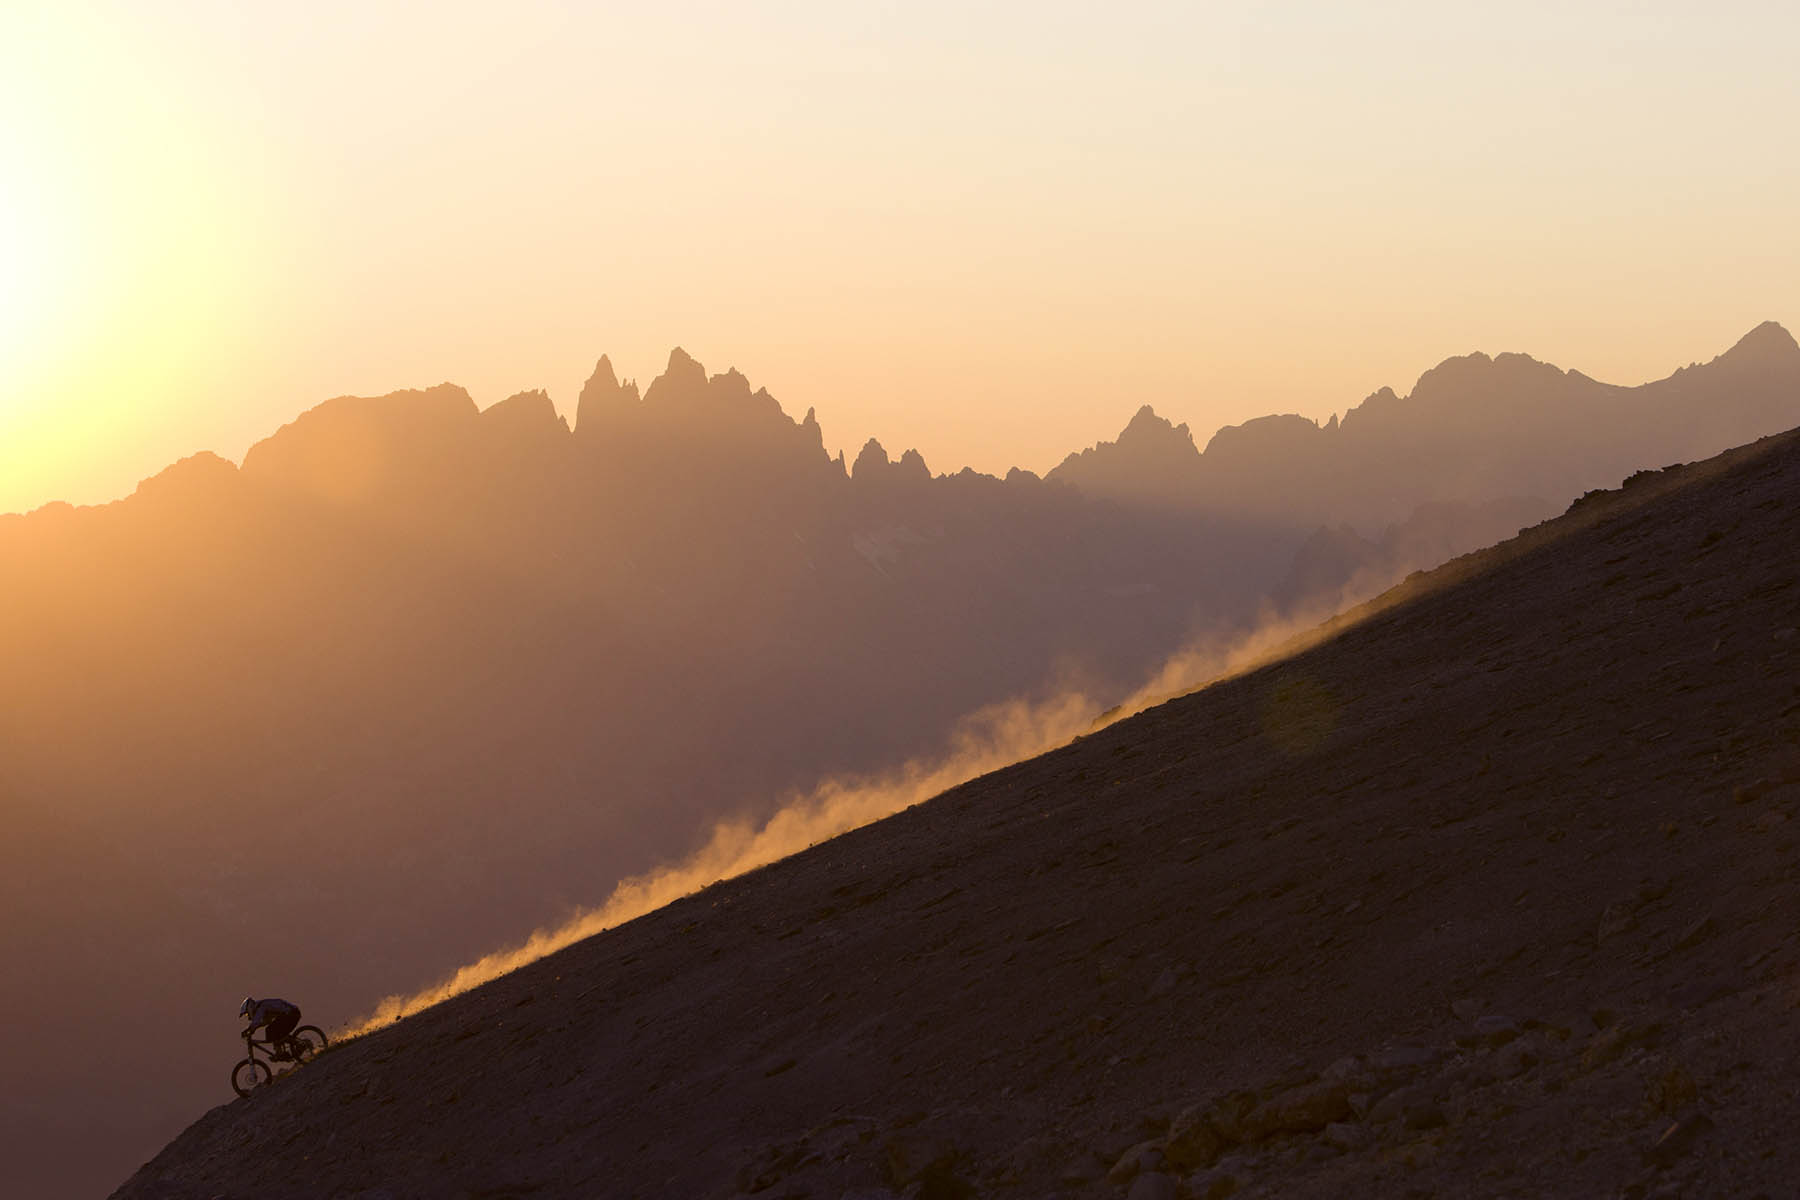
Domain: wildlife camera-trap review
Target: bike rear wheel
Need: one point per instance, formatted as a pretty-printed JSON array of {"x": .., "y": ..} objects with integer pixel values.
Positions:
[
  {"x": 306, "y": 1041},
  {"x": 249, "y": 1075}
]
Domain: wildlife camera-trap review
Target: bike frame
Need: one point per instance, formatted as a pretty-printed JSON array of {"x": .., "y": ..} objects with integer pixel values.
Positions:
[
  {"x": 261, "y": 1054},
  {"x": 267, "y": 1047}
]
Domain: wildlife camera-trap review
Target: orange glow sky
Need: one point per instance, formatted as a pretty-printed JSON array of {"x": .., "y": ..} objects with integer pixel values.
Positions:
[{"x": 989, "y": 232}]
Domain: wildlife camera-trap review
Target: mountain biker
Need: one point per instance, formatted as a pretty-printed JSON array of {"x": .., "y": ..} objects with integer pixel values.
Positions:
[{"x": 278, "y": 1015}]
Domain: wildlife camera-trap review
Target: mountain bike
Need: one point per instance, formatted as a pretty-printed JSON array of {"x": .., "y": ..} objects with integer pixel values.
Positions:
[{"x": 300, "y": 1046}]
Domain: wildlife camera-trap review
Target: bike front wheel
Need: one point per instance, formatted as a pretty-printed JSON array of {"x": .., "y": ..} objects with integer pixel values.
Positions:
[
  {"x": 249, "y": 1075},
  {"x": 306, "y": 1042}
]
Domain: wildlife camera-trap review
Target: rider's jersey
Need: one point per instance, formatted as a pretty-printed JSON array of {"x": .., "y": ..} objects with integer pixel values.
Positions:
[{"x": 267, "y": 1010}]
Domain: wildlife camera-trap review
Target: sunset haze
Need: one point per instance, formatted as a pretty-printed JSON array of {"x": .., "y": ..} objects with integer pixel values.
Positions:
[
  {"x": 985, "y": 234},
  {"x": 728, "y": 570}
]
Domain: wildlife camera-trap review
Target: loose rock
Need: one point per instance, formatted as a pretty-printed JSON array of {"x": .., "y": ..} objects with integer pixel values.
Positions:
[
  {"x": 1193, "y": 1141},
  {"x": 1425, "y": 1116},
  {"x": 1392, "y": 1107},
  {"x": 1613, "y": 1041},
  {"x": 1619, "y": 917},
  {"x": 1215, "y": 1184},
  {"x": 1674, "y": 1090},
  {"x": 1696, "y": 933},
  {"x": 1404, "y": 1058},
  {"x": 1145, "y": 1156},
  {"x": 1153, "y": 1186},
  {"x": 1467, "y": 1009},
  {"x": 1343, "y": 1135},
  {"x": 1085, "y": 1168},
  {"x": 1517, "y": 1057},
  {"x": 1305, "y": 1109},
  {"x": 1679, "y": 1139}
]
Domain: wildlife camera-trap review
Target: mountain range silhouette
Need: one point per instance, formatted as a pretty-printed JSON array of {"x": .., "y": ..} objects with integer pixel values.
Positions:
[
  {"x": 418, "y": 677},
  {"x": 1473, "y": 429},
  {"x": 1480, "y": 890}
]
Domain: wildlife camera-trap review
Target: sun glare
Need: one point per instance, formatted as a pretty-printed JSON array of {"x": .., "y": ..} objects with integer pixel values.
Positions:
[
  {"x": 12, "y": 261},
  {"x": 37, "y": 283},
  {"x": 26, "y": 275}
]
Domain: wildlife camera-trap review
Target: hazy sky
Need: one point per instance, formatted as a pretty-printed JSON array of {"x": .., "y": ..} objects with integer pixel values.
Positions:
[{"x": 989, "y": 232}]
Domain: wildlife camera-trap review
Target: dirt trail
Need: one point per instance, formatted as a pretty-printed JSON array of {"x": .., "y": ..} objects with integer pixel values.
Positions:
[{"x": 1490, "y": 894}]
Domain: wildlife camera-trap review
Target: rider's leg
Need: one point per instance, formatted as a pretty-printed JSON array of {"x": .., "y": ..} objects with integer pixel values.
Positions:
[{"x": 278, "y": 1032}]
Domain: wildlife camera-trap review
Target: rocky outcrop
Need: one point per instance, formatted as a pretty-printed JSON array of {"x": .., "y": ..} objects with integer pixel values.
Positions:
[
  {"x": 1768, "y": 347},
  {"x": 873, "y": 470},
  {"x": 525, "y": 417},
  {"x": 699, "y": 430},
  {"x": 1153, "y": 462},
  {"x": 871, "y": 463},
  {"x": 606, "y": 406}
]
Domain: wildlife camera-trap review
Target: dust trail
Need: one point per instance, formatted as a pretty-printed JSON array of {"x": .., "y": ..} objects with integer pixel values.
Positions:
[
  {"x": 991, "y": 738},
  {"x": 1213, "y": 658}
]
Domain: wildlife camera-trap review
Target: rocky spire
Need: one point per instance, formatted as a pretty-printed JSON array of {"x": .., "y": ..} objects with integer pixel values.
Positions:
[
  {"x": 604, "y": 399},
  {"x": 871, "y": 463}
]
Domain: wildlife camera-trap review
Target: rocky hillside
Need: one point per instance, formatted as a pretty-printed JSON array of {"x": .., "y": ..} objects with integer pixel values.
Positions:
[{"x": 1487, "y": 892}]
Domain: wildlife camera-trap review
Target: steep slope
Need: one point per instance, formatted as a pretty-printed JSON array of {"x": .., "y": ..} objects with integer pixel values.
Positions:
[
  {"x": 419, "y": 678},
  {"x": 1488, "y": 892}
]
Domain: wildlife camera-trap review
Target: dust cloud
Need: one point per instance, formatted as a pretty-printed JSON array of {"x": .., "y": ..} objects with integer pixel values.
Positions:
[{"x": 991, "y": 738}]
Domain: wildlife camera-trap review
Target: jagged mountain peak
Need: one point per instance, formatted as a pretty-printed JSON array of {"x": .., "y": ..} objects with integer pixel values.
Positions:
[
  {"x": 1146, "y": 427},
  {"x": 871, "y": 459},
  {"x": 912, "y": 466},
  {"x": 682, "y": 378},
  {"x": 684, "y": 412},
  {"x": 604, "y": 399},
  {"x": 1472, "y": 428},
  {"x": 815, "y": 434},
  {"x": 1152, "y": 456},
  {"x": 874, "y": 467},
  {"x": 685, "y": 387},
  {"x": 1767, "y": 344},
  {"x": 603, "y": 380},
  {"x": 525, "y": 414}
]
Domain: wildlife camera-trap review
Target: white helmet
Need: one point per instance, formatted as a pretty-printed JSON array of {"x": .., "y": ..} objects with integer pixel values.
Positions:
[{"x": 248, "y": 1004}]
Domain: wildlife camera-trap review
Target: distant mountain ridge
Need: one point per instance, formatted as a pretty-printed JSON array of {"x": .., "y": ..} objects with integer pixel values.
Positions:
[{"x": 1473, "y": 429}]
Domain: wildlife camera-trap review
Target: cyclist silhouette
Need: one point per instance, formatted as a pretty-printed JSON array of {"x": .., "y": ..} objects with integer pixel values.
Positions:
[{"x": 278, "y": 1016}]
